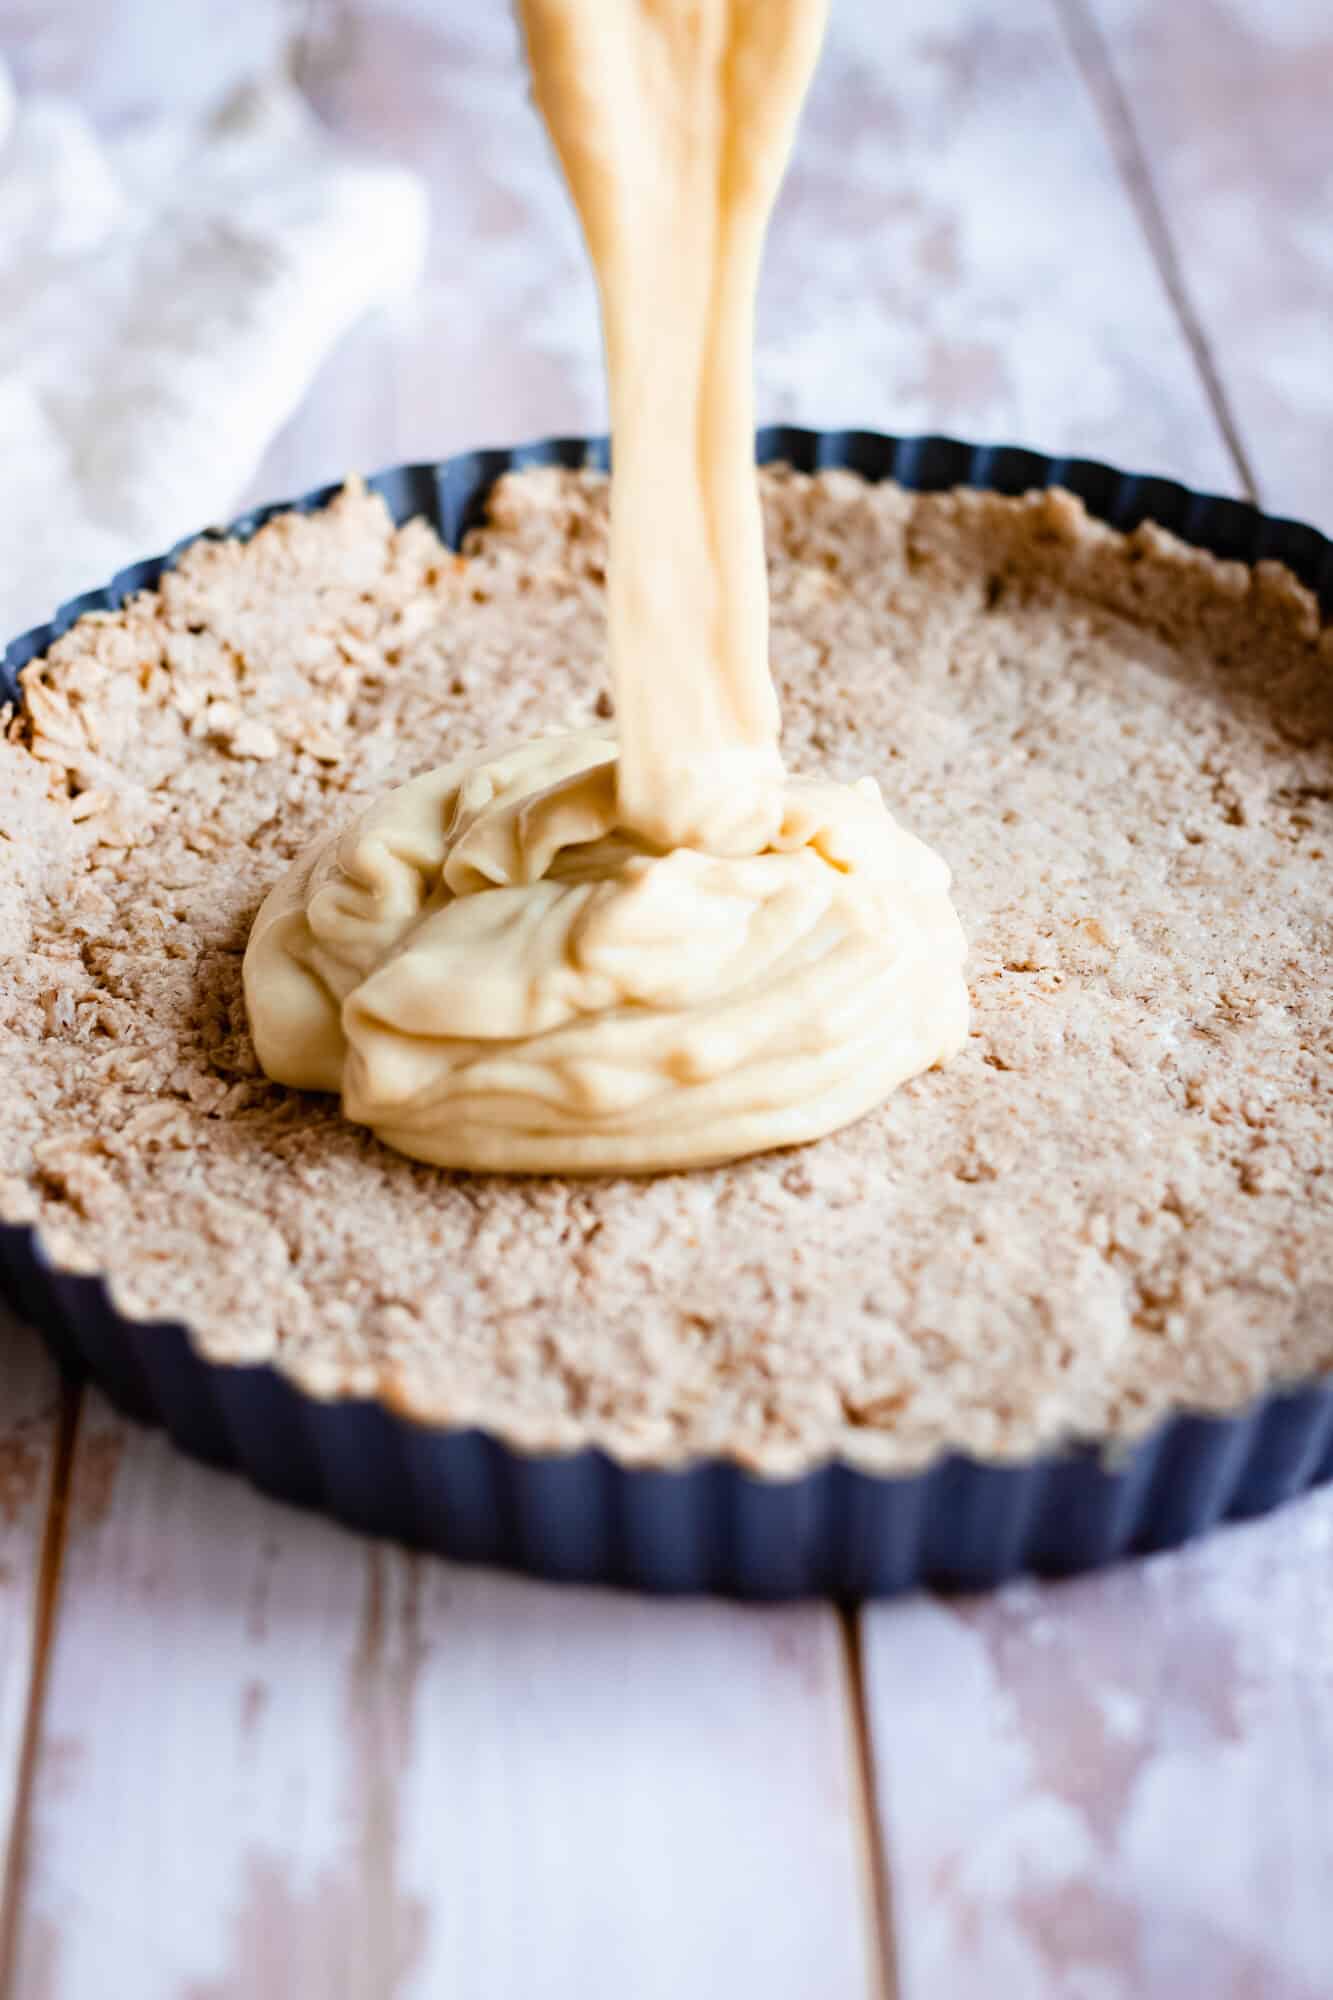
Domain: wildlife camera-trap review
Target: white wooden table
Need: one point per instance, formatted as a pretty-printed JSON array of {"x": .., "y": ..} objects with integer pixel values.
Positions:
[{"x": 246, "y": 1756}]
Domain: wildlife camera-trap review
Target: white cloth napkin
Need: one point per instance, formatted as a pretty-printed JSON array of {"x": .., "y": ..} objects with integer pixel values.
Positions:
[{"x": 167, "y": 296}]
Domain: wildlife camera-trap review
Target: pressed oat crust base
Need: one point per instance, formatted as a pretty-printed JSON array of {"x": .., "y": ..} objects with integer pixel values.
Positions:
[{"x": 1113, "y": 1203}]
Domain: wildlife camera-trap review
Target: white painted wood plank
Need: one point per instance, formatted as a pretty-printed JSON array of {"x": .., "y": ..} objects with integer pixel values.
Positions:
[
  {"x": 1117, "y": 1787},
  {"x": 277, "y": 1760},
  {"x": 29, "y": 1423},
  {"x": 922, "y": 274},
  {"x": 1233, "y": 107},
  {"x": 224, "y": 1801},
  {"x": 953, "y": 250}
]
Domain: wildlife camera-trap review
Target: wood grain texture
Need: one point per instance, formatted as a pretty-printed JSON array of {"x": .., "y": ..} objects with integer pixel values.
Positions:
[
  {"x": 273, "y": 1760},
  {"x": 276, "y": 1760},
  {"x": 1117, "y": 1787},
  {"x": 953, "y": 250},
  {"x": 1232, "y": 106},
  {"x": 29, "y": 1437}
]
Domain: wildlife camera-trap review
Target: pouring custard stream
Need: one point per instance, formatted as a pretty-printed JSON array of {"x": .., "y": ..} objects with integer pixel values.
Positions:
[{"x": 641, "y": 947}]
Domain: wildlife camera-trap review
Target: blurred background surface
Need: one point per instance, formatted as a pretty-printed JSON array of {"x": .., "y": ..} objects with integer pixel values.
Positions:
[
  {"x": 1090, "y": 225},
  {"x": 245, "y": 1756}
]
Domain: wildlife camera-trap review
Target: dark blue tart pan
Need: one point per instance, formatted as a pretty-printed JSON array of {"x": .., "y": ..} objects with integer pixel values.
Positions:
[{"x": 711, "y": 1526}]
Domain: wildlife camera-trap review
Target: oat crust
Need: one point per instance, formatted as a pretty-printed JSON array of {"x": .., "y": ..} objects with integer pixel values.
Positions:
[{"x": 1115, "y": 1202}]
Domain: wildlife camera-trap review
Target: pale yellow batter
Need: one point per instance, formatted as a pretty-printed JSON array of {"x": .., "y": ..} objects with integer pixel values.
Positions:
[{"x": 648, "y": 948}]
